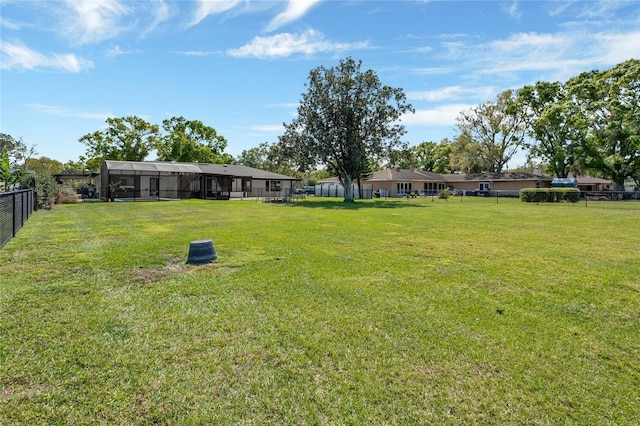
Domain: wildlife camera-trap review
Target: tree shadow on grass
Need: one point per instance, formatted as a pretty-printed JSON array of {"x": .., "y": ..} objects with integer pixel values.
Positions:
[{"x": 357, "y": 205}]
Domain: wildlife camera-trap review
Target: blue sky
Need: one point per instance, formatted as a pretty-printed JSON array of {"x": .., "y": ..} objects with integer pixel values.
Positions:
[{"x": 241, "y": 66}]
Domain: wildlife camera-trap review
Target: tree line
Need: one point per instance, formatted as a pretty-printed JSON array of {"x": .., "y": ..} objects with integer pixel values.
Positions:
[
  {"x": 589, "y": 124},
  {"x": 132, "y": 139},
  {"x": 348, "y": 125}
]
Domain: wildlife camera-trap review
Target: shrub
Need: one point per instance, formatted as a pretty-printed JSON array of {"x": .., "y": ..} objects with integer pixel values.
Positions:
[
  {"x": 533, "y": 195},
  {"x": 66, "y": 195},
  {"x": 44, "y": 186},
  {"x": 445, "y": 193},
  {"x": 549, "y": 195},
  {"x": 572, "y": 195}
]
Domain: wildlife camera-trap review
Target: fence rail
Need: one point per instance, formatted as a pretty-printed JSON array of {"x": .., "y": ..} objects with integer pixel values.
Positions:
[{"x": 15, "y": 209}]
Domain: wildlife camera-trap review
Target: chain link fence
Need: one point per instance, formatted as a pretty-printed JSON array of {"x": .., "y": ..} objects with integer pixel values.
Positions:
[{"x": 15, "y": 209}]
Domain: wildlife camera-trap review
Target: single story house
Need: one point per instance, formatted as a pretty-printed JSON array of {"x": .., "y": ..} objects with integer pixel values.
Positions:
[
  {"x": 592, "y": 184},
  {"x": 506, "y": 184},
  {"x": 155, "y": 180},
  {"x": 403, "y": 182}
]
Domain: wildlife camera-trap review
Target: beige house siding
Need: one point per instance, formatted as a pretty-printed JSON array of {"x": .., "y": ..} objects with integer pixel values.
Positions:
[
  {"x": 505, "y": 184},
  {"x": 404, "y": 187},
  {"x": 512, "y": 187},
  {"x": 398, "y": 183}
]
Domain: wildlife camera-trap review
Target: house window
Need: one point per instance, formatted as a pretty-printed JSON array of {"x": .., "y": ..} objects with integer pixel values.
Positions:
[
  {"x": 274, "y": 185},
  {"x": 432, "y": 188},
  {"x": 484, "y": 186},
  {"x": 404, "y": 188}
]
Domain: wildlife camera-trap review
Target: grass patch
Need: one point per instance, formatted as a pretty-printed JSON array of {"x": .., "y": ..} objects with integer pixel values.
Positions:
[{"x": 413, "y": 311}]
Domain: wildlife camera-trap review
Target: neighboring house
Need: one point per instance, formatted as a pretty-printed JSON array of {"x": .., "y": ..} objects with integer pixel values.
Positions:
[
  {"x": 172, "y": 180},
  {"x": 592, "y": 184},
  {"x": 403, "y": 182},
  {"x": 506, "y": 184},
  {"x": 395, "y": 183}
]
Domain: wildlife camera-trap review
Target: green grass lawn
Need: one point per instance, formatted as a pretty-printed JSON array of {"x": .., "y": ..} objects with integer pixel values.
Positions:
[{"x": 400, "y": 311}]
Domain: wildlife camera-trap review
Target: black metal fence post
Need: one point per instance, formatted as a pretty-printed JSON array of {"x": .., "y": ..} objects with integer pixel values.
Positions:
[{"x": 15, "y": 208}]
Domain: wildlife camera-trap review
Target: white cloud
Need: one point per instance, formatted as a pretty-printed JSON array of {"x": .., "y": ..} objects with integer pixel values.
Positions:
[
  {"x": 196, "y": 53},
  {"x": 431, "y": 71},
  {"x": 597, "y": 10},
  {"x": 209, "y": 7},
  {"x": 161, "y": 12},
  {"x": 286, "y": 44},
  {"x": 10, "y": 24},
  {"x": 63, "y": 112},
  {"x": 616, "y": 48},
  {"x": 116, "y": 50},
  {"x": 440, "y": 116},
  {"x": 529, "y": 41},
  {"x": 562, "y": 54},
  {"x": 94, "y": 21},
  {"x": 269, "y": 128},
  {"x": 282, "y": 105},
  {"x": 453, "y": 92},
  {"x": 559, "y": 7},
  {"x": 601, "y": 9},
  {"x": 422, "y": 49},
  {"x": 295, "y": 10},
  {"x": 18, "y": 56},
  {"x": 512, "y": 10}
]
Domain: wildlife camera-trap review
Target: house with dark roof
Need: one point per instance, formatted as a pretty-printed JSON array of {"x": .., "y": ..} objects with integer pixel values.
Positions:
[
  {"x": 404, "y": 182},
  {"x": 505, "y": 184},
  {"x": 592, "y": 184},
  {"x": 158, "y": 180}
]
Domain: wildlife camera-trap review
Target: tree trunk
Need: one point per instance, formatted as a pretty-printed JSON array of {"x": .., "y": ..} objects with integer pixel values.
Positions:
[{"x": 348, "y": 188}]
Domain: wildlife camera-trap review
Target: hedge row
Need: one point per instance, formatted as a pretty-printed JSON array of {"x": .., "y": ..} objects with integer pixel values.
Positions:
[{"x": 550, "y": 195}]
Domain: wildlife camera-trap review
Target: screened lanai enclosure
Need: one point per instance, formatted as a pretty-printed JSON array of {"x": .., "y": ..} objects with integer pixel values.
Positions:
[
  {"x": 128, "y": 180},
  {"x": 157, "y": 180}
]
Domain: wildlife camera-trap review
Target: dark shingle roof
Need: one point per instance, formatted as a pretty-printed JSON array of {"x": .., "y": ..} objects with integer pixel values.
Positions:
[
  {"x": 461, "y": 177},
  {"x": 405, "y": 175}
]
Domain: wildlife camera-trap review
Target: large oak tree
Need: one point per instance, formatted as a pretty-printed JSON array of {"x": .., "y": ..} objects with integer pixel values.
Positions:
[
  {"x": 552, "y": 126},
  {"x": 609, "y": 111},
  {"x": 125, "y": 139},
  {"x": 347, "y": 120},
  {"x": 191, "y": 141},
  {"x": 497, "y": 127}
]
